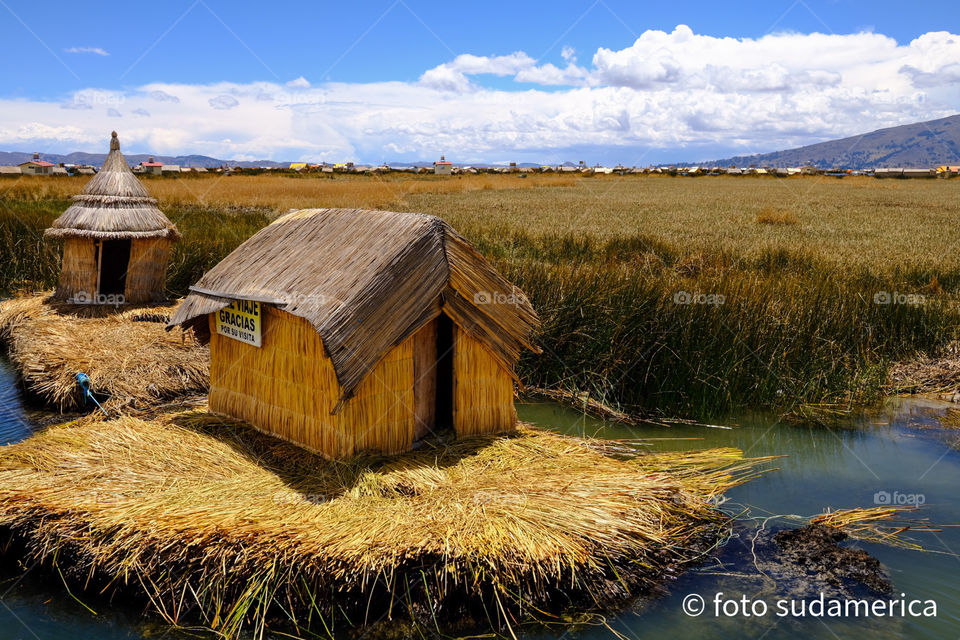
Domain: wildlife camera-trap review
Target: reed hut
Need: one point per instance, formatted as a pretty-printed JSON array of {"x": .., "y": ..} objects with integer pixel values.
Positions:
[
  {"x": 347, "y": 331},
  {"x": 116, "y": 242}
]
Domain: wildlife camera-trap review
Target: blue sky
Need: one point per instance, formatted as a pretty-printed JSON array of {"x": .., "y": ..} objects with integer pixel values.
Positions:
[{"x": 621, "y": 82}]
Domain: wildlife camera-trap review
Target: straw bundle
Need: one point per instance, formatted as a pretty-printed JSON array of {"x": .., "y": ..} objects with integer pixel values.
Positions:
[
  {"x": 133, "y": 362},
  {"x": 882, "y": 525},
  {"x": 201, "y": 515}
]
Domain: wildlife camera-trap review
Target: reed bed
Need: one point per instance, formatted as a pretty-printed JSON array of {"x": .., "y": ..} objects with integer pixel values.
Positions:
[
  {"x": 131, "y": 360},
  {"x": 283, "y": 192},
  {"x": 212, "y": 522},
  {"x": 603, "y": 259}
]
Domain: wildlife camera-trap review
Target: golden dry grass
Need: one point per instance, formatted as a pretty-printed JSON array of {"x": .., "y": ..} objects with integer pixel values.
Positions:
[
  {"x": 192, "y": 511},
  {"x": 853, "y": 223},
  {"x": 283, "y": 192},
  {"x": 602, "y": 257},
  {"x": 134, "y": 362}
]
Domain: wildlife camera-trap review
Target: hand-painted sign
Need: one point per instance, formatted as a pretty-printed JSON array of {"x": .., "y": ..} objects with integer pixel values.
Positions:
[{"x": 243, "y": 321}]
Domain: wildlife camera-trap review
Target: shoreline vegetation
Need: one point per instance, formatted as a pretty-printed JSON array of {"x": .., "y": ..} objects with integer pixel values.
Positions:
[{"x": 659, "y": 296}]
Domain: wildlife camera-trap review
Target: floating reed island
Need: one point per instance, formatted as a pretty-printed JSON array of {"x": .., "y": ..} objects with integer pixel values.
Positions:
[
  {"x": 215, "y": 523},
  {"x": 106, "y": 316},
  {"x": 132, "y": 363},
  {"x": 360, "y": 458}
]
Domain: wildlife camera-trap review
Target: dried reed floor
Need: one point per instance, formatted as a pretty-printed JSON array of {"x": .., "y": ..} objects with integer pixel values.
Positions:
[
  {"x": 214, "y": 523},
  {"x": 133, "y": 363}
]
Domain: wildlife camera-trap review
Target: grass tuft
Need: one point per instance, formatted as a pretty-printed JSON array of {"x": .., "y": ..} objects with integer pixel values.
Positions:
[{"x": 783, "y": 217}]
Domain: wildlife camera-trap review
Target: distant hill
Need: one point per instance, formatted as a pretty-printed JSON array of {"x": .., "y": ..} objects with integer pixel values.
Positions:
[
  {"x": 919, "y": 145},
  {"x": 96, "y": 159}
]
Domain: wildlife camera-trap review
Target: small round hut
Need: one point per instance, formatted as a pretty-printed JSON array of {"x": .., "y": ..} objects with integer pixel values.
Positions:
[{"x": 116, "y": 241}]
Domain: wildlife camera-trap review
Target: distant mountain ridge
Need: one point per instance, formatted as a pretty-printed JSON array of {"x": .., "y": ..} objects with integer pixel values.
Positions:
[
  {"x": 96, "y": 159},
  {"x": 919, "y": 145}
]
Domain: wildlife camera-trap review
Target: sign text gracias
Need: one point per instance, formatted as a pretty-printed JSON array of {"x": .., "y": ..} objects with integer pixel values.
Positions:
[{"x": 243, "y": 321}]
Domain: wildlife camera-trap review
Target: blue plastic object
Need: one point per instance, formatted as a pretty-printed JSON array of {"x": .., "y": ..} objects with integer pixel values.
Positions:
[{"x": 83, "y": 381}]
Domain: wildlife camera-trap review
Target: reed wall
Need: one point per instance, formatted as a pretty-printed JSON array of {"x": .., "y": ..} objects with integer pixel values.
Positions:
[
  {"x": 425, "y": 379},
  {"x": 288, "y": 388},
  {"x": 482, "y": 389},
  {"x": 147, "y": 271},
  {"x": 79, "y": 271}
]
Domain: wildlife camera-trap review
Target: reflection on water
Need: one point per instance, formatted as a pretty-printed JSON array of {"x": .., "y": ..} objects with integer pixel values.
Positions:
[{"x": 900, "y": 447}]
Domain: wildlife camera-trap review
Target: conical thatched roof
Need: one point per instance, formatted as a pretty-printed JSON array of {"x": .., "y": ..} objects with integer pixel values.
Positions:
[
  {"x": 114, "y": 205},
  {"x": 366, "y": 280}
]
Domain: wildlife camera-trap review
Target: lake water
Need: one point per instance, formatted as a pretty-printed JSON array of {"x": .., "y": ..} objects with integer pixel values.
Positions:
[{"x": 898, "y": 448}]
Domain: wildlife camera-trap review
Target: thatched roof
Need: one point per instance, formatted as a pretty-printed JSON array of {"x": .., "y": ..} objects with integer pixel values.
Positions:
[
  {"x": 366, "y": 280},
  {"x": 113, "y": 205}
]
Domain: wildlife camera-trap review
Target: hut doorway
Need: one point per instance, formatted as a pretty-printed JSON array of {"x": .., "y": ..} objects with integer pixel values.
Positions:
[
  {"x": 114, "y": 260},
  {"x": 444, "y": 400}
]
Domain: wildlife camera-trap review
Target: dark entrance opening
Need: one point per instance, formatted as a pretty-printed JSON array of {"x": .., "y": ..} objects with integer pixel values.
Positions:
[
  {"x": 444, "y": 416},
  {"x": 114, "y": 262}
]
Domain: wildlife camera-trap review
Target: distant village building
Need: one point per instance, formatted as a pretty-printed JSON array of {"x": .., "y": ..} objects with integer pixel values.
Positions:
[
  {"x": 116, "y": 242},
  {"x": 151, "y": 167},
  {"x": 443, "y": 167},
  {"x": 36, "y": 167}
]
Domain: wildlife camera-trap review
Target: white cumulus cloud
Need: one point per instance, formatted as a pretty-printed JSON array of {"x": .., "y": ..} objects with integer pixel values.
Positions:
[{"x": 676, "y": 93}]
